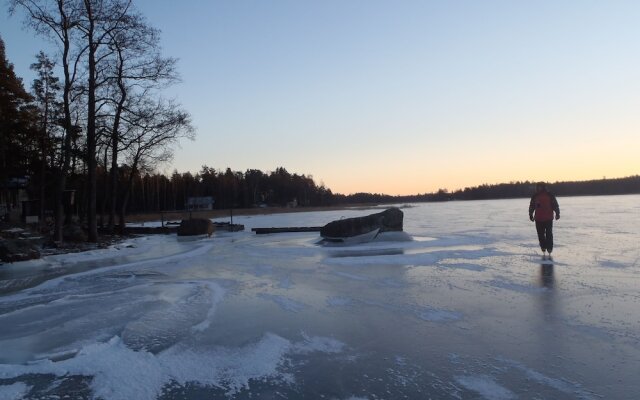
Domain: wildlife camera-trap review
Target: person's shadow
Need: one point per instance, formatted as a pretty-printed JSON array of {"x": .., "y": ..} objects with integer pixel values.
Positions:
[
  {"x": 548, "y": 295},
  {"x": 549, "y": 331},
  {"x": 546, "y": 276}
]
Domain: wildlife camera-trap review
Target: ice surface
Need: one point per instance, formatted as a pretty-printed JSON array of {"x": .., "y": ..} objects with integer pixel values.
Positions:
[
  {"x": 460, "y": 306},
  {"x": 14, "y": 391},
  {"x": 486, "y": 387}
]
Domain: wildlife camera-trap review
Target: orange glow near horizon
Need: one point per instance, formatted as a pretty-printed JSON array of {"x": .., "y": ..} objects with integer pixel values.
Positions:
[
  {"x": 428, "y": 176},
  {"x": 404, "y": 108}
]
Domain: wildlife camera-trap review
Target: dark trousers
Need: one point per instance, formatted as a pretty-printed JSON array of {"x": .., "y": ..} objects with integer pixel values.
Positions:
[{"x": 545, "y": 234}]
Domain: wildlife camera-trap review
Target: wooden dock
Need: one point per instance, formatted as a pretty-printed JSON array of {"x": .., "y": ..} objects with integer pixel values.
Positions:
[
  {"x": 262, "y": 231},
  {"x": 226, "y": 226},
  {"x": 171, "y": 228},
  {"x": 146, "y": 230}
]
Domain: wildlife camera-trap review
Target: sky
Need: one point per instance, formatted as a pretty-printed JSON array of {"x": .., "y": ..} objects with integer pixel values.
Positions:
[{"x": 400, "y": 97}]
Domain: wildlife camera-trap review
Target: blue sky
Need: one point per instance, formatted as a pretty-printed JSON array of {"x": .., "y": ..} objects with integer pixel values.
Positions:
[{"x": 401, "y": 97}]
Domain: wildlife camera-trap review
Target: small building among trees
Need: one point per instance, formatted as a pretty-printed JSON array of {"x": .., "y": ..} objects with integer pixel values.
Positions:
[
  {"x": 200, "y": 203},
  {"x": 13, "y": 192}
]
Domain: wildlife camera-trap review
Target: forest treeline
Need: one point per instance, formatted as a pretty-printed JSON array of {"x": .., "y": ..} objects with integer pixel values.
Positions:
[
  {"x": 254, "y": 188},
  {"x": 229, "y": 189},
  {"x": 96, "y": 109},
  {"x": 596, "y": 187}
]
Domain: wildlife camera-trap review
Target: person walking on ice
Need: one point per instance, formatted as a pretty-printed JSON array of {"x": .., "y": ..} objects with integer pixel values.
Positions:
[{"x": 541, "y": 209}]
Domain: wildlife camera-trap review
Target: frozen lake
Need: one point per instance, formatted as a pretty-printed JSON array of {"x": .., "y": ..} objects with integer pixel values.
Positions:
[{"x": 461, "y": 307}]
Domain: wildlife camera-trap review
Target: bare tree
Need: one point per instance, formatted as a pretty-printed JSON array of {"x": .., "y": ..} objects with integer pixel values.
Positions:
[
  {"x": 153, "y": 127},
  {"x": 100, "y": 19},
  {"x": 135, "y": 67},
  {"x": 108, "y": 45},
  {"x": 57, "y": 21}
]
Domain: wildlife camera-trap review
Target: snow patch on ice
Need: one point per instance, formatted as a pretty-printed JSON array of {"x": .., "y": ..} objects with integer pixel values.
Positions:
[
  {"x": 133, "y": 246},
  {"x": 217, "y": 293},
  {"x": 124, "y": 245},
  {"x": 419, "y": 238},
  {"x": 185, "y": 306},
  {"x": 14, "y": 391},
  {"x": 485, "y": 386},
  {"x": 555, "y": 383},
  {"x": 120, "y": 373},
  {"x": 194, "y": 252},
  {"x": 394, "y": 236},
  {"x": 320, "y": 344},
  {"x": 229, "y": 369},
  {"x": 412, "y": 255}
]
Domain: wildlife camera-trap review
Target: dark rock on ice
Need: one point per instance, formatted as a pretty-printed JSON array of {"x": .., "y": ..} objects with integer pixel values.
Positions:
[
  {"x": 389, "y": 220},
  {"x": 196, "y": 226},
  {"x": 12, "y": 250}
]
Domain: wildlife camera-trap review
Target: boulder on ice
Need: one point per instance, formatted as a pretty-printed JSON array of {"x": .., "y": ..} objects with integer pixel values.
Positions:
[
  {"x": 12, "y": 250},
  {"x": 389, "y": 220},
  {"x": 195, "y": 226}
]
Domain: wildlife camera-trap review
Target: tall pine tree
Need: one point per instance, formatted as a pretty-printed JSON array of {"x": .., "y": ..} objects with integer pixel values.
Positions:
[
  {"x": 18, "y": 120},
  {"x": 46, "y": 90}
]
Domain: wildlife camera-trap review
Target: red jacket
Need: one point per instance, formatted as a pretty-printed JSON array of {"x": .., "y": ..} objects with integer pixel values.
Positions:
[{"x": 544, "y": 204}]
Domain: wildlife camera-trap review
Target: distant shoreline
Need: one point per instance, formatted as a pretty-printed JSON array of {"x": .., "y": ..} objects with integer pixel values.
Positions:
[
  {"x": 175, "y": 215},
  {"x": 222, "y": 213}
]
